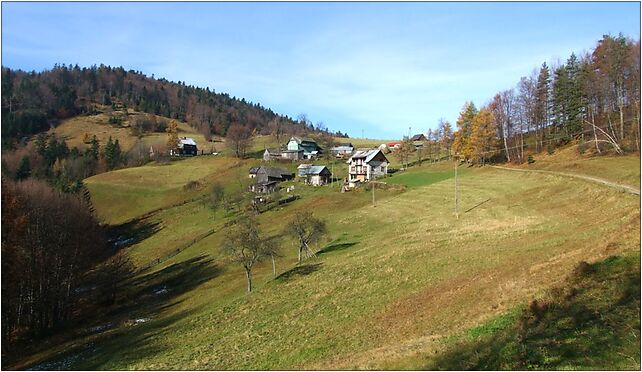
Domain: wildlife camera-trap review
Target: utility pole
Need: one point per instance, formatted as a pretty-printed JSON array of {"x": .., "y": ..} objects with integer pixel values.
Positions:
[
  {"x": 373, "y": 193},
  {"x": 456, "y": 187}
]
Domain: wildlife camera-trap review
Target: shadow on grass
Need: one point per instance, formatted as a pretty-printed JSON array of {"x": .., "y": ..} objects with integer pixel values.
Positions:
[
  {"x": 302, "y": 270},
  {"x": 128, "y": 331},
  {"x": 336, "y": 247},
  {"x": 592, "y": 323},
  {"x": 132, "y": 232}
]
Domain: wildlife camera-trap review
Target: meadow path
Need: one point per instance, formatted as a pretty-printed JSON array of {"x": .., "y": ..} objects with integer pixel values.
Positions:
[{"x": 627, "y": 188}]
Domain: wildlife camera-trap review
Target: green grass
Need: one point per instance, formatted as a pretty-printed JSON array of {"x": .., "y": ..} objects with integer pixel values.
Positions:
[
  {"x": 391, "y": 281},
  {"x": 128, "y": 193},
  {"x": 593, "y": 322}
]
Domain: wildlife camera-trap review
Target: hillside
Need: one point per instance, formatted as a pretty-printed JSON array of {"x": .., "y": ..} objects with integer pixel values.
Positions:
[
  {"x": 393, "y": 286},
  {"x": 33, "y": 102},
  {"x": 74, "y": 129}
]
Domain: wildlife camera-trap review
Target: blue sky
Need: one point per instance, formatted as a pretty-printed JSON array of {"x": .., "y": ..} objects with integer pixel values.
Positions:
[{"x": 376, "y": 67}]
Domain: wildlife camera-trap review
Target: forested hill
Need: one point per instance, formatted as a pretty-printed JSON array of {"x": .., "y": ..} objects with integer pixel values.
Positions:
[{"x": 32, "y": 102}]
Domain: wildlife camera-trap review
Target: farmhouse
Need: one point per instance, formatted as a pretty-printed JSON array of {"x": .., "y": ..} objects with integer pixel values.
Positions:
[
  {"x": 187, "y": 146},
  {"x": 265, "y": 174},
  {"x": 309, "y": 147},
  {"x": 418, "y": 137},
  {"x": 366, "y": 165},
  {"x": 268, "y": 178},
  {"x": 342, "y": 150},
  {"x": 316, "y": 175}
]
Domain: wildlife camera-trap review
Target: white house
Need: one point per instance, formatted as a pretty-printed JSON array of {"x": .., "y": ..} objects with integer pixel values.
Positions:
[{"x": 366, "y": 165}]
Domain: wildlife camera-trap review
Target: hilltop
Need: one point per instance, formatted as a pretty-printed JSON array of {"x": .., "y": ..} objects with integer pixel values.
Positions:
[
  {"x": 395, "y": 285},
  {"x": 33, "y": 102}
]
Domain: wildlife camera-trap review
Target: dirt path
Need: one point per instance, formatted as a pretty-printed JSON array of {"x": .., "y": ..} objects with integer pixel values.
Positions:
[{"x": 627, "y": 188}]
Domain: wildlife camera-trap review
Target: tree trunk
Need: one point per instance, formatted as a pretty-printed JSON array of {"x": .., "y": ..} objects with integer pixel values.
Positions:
[
  {"x": 594, "y": 132},
  {"x": 273, "y": 264},
  {"x": 506, "y": 145},
  {"x": 248, "y": 273}
]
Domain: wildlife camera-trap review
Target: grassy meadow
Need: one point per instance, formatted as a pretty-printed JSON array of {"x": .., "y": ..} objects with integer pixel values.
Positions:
[{"x": 397, "y": 285}]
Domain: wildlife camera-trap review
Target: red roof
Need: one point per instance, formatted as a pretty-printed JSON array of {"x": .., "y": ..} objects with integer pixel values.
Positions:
[{"x": 393, "y": 144}]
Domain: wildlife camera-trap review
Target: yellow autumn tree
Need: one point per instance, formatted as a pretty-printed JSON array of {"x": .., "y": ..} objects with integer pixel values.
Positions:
[
  {"x": 172, "y": 136},
  {"x": 483, "y": 139},
  {"x": 462, "y": 143}
]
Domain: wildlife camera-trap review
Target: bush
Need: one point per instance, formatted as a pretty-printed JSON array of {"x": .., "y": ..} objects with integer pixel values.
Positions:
[
  {"x": 193, "y": 186},
  {"x": 530, "y": 159}
]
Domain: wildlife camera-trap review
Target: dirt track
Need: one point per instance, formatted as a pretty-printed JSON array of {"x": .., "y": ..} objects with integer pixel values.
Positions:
[{"x": 615, "y": 185}]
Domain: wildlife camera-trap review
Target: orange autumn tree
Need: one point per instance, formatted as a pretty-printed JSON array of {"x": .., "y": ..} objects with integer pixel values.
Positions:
[{"x": 483, "y": 139}]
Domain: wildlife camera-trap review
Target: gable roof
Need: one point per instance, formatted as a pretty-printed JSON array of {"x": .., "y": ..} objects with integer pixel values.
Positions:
[
  {"x": 300, "y": 140},
  {"x": 418, "y": 137},
  {"x": 316, "y": 169},
  {"x": 187, "y": 141},
  {"x": 367, "y": 155},
  {"x": 253, "y": 170},
  {"x": 275, "y": 172}
]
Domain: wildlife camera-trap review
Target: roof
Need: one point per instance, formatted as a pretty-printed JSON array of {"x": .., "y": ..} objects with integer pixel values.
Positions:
[
  {"x": 276, "y": 172},
  {"x": 418, "y": 137},
  {"x": 272, "y": 151},
  {"x": 187, "y": 141},
  {"x": 368, "y": 155},
  {"x": 253, "y": 170},
  {"x": 300, "y": 140},
  {"x": 316, "y": 169},
  {"x": 304, "y": 166},
  {"x": 343, "y": 148},
  {"x": 392, "y": 144}
]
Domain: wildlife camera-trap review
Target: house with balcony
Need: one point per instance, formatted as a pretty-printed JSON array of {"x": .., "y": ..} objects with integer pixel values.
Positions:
[{"x": 364, "y": 166}]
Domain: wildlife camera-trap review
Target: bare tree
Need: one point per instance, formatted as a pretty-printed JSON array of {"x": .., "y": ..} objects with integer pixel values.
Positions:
[
  {"x": 246, "y": 246},
  {"x": 239, "y": 138},
  {"x": 306, "y": 228}
]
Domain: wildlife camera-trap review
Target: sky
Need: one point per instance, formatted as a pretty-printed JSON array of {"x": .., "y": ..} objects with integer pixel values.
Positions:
[{"x": 373, "y": 69}]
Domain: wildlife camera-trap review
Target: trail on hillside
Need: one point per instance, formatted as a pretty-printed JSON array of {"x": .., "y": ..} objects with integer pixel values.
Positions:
[{"x": 615, "y": 185}]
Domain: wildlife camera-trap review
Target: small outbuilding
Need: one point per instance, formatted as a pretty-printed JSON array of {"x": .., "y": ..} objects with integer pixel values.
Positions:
[
  {"x": 318, "y": 175},
  {"x": 269, "y": 155}
]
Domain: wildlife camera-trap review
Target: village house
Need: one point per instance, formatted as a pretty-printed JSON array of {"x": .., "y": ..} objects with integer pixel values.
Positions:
[
  {"x": 366, "y": 165},
  {"x": 187, "y": 146},
  {"x": 315, "y": 175},
  {"x": 267, "y": 178},
  {"x": 297, "y": 144},
  {"x": 342, "y": 150},
  {"x": 419, "y": 138}
]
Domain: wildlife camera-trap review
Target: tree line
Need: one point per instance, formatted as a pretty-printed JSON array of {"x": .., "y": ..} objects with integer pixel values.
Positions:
[
  {"x": 57, "y": 264},
  {"x": 593, "y": 98},
  {"x": 33, "y": 101}
]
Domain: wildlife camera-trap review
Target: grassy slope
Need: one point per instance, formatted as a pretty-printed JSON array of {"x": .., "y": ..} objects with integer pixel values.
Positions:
[
  {"x": 615, "y": 168},
  {"x": 397, "y": 279},
  {"x": 592, "y": 322},
  {"x": 74, "y": 129}
]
